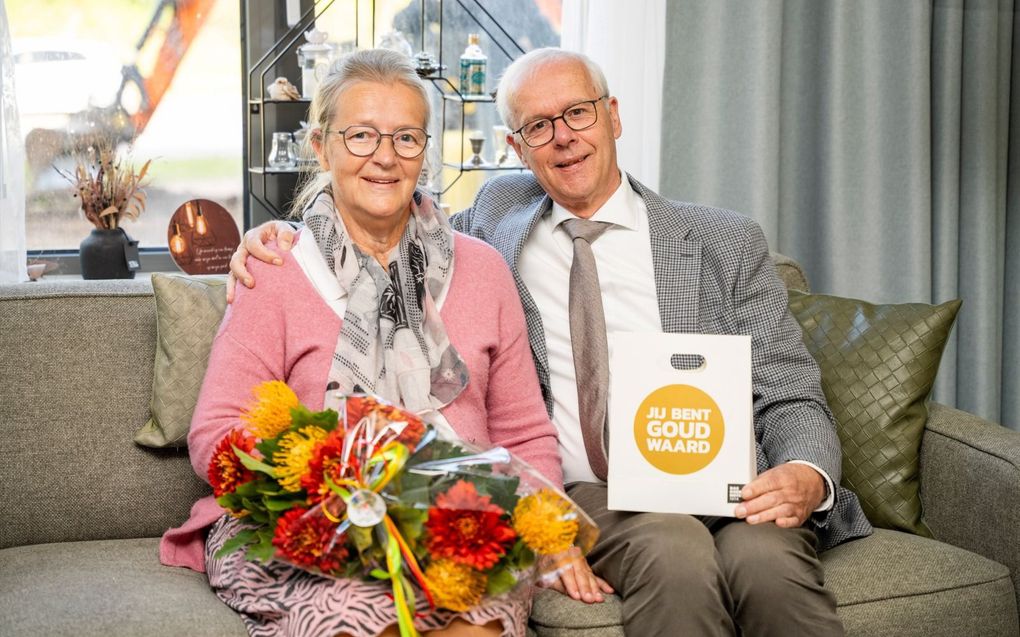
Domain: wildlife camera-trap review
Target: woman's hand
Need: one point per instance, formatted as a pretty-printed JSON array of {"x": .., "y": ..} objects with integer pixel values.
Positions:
[
  {"x": 570, "y": 574},
  {"x": 254, "y": 243}
]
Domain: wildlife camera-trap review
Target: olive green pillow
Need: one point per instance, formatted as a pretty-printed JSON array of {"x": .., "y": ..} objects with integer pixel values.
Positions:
[
  {"x": 878, "y": 366},
  {"x": 188, "y": 314}
]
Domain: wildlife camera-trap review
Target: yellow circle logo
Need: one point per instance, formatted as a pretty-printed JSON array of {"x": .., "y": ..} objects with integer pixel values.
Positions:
[{"x": 679, "y": 429}]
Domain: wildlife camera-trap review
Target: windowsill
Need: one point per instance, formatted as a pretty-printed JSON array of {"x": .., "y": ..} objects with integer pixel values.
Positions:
[{"x": 69, "y": 266}]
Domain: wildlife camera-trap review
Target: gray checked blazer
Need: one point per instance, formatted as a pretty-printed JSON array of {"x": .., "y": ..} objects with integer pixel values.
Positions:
[{"x": 713, "y": 274}]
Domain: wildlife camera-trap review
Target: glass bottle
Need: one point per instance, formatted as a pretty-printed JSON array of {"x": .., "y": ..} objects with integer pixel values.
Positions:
[
  {"x": 280, "y": 155},
  {"x": 314, "y": 59},
  {"x": 472, "y": 68}
]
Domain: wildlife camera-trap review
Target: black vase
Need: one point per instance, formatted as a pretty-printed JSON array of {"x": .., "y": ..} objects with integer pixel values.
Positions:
[{"x": 103, "y": 255}]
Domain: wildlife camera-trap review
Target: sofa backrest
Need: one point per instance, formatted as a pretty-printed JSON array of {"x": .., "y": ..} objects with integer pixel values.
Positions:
[
  {"x": 75, "y": 383},
  {"x": 76, "y": 361}
]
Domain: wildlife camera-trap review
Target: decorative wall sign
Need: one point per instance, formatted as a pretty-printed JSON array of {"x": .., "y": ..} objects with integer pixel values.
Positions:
[{"x": 202, "y": 235}]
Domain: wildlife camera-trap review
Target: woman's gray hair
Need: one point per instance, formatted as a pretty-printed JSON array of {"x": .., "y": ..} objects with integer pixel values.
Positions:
[
  {"x": 528, "y": 66},
  {"x": 381, "y": 66}
]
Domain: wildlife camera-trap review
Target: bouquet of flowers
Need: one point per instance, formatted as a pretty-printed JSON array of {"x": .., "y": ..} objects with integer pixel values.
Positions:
[{"x": 369, "y": 490}]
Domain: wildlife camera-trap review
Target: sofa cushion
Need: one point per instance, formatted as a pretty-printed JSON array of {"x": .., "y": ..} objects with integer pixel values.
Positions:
[
  {"x": 889, "y": 583},
  {"x": 878, "y": 366},
  {"x": 894, "y": 583},
  {"x": 107, "y": 587},
  {"x": 188, "y": 312}
]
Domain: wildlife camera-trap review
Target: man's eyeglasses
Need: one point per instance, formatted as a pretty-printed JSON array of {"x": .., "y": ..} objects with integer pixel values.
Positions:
[
  {"x": 364, "y": 140},
  {"x": 577, "y": 117}
]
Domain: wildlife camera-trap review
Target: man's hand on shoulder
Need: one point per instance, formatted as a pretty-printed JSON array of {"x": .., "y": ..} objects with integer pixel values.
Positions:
[
  {"x": 786, "y": 495},
  {"x": 254, "y": 244}
]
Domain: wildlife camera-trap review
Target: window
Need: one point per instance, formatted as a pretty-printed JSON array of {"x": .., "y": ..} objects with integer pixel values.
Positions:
[{"x": 163, "y": 75}]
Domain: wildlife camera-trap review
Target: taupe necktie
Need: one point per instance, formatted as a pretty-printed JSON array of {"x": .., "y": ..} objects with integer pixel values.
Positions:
[{"x": 588, "y": 340}]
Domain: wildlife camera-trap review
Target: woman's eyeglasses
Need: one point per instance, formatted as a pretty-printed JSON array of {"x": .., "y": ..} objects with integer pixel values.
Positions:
[{"x": 364, "y": 140}]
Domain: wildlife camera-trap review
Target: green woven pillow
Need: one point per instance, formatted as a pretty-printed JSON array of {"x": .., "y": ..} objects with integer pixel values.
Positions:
[
  {"x": 188, "y": 314},
  {"x": 878, "y": 366}
]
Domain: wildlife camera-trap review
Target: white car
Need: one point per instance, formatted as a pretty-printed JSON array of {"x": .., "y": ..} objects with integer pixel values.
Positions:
[{"x": 55, "y": 79}]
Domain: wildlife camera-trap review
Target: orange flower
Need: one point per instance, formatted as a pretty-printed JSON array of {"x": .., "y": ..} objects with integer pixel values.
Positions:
[
  {"x": 308, "y": 539},
  {"x": 325, "y": 461},
  {"x": 270, "y": 415},
  {"x": 226, "y": 472},
  {"x": 546, "y": 522},
  {"x": 454, "y": 586},
  {"x": 467, "y": 528},
  {"x": 296, "y": 449}
]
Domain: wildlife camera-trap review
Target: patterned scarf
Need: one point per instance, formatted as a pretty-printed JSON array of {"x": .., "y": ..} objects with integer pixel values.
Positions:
[{"x": 393, "y": 342}]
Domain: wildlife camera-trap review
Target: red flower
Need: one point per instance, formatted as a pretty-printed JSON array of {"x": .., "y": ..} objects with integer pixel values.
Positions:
[
  {"x": 467, "y": 528},
  {"x": 325, "y": 461},
  {"x": 226, "y": 472},
  {"x": 308, "y": 539}
]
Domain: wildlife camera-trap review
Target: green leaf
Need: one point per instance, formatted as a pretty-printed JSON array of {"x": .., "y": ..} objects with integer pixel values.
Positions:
[
  {"x": 302, "y": 417},
  {"x": 242, "y": 539},
  {"x": 410, "y": 522},
  {"x": 282, "y": 504},
  {"x": 501, "y": 580},
  {"x": 503, "y": 490},
  {"x": 361, "y": 537},
  {"x": 248, "y": 489},
  {"x": 255, "y": 510},
  {"x": 263, "y": 550},
  {"x": 229, "y": 501},
  {"x": 255, "y": 465},
  {"x": 378, "y": 573},
  {"x": 521, "y": 556}
]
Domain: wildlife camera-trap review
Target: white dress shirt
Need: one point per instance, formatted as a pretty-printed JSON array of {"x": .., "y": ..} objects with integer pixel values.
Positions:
[{"x": 627, "y": 279}]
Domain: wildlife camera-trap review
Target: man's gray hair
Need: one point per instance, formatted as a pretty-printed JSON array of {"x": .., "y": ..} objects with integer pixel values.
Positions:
[
  {"x": 381, "y": 66},
  {"x": 528, "y": 66}
]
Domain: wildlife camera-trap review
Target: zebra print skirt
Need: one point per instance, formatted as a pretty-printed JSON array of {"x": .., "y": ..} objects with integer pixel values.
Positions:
[{"x": 277, "y": 599}]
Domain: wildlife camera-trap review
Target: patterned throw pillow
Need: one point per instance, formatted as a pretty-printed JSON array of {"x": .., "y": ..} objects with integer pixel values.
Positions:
[
  {"x": 878, "y": 366},
  {"x": 188, "y": 314}
]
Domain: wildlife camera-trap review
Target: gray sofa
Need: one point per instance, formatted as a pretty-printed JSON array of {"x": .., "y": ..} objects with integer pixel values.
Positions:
[{"x": 84, "y": 506}]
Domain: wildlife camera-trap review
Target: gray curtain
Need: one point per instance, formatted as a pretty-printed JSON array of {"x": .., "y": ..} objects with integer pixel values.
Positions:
[{"x": 876, "y": 142}]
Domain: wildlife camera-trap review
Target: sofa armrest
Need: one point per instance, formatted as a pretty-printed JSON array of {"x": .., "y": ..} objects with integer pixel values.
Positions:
[{"x": 970, "y": 485}]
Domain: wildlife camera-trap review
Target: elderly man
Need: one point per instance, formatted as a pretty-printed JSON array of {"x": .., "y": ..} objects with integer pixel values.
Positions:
[{"x": 578, "y": 223}]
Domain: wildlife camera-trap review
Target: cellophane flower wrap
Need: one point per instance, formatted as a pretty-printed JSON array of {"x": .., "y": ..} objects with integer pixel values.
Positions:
[{"x": 370, "y": 491}]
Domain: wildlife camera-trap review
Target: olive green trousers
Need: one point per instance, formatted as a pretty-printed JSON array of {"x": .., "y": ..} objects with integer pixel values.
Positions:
[{"x": 686, "y": 575}]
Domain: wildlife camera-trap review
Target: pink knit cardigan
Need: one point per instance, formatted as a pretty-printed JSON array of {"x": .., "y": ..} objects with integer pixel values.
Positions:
[{"x": 283, "y": 329}]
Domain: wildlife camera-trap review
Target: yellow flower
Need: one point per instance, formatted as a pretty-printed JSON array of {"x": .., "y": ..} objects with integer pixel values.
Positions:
[
  {"x": 271, "y": 413},
  {"x": 455, "y": 586},
  {"x": 546, "y": 522},
  {"x": 296, "y": 448}
]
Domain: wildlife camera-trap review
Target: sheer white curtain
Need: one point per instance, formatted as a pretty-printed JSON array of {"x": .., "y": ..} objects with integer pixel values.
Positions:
[
  {"x": 12, "y": 168},
  {"x": 628, "y": 40}
]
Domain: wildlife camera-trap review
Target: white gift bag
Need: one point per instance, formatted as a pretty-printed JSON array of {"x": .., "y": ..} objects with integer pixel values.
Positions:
[{"x": 681, "y": 435}]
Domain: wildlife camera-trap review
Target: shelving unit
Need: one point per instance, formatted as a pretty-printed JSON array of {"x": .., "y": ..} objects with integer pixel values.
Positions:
[
  {"x": 268, "y": 191},
  {"x": 453, "y": 98}
]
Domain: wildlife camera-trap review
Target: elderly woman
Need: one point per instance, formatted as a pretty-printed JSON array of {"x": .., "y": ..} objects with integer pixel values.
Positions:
[{"x": 378, "y": 295}]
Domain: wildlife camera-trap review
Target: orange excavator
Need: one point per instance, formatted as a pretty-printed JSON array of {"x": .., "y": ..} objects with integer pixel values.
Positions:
[
  {"x": 166, "y": 39},
  {"x": 158, "y": 53}
]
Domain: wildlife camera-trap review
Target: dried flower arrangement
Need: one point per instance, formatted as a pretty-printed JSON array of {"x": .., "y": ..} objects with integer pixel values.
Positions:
[{"x": 107, "y": 185}]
